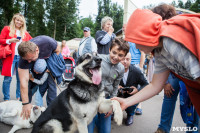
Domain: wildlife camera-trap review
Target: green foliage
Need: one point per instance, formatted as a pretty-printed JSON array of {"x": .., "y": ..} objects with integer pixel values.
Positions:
[
  {"x": 7, "y": 10},
  {"x": 87, "y": 22},
  {"x": 106, "y": 8},
  {"x": 195, "y": 6},
  {"x": 188, "y": 4},
  {"x": 180, "y": 4},
  {"x": 56, "y": 18}
]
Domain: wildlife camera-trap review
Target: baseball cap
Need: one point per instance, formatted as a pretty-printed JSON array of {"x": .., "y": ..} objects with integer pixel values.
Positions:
[{"x": 86, "y": 29}]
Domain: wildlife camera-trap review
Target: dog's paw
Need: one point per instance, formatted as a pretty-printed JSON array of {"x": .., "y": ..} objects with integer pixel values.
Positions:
[{"x": 118, "y": 113}]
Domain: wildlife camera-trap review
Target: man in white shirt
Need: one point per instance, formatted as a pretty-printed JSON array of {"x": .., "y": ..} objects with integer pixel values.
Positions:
[{"x": 87, "y": 44}]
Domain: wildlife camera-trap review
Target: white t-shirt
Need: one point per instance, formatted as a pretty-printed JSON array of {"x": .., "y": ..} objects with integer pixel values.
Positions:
[
  {"x": 17, "y": 44},
  {"x": 125, "y": 77}
]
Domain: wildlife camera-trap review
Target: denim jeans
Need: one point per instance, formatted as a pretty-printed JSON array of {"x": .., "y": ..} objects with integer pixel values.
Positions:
[
  {"x": 169, "y": 104},
  {"x": 131, "y": 110},
  {"x": 38, "y": 99},
  {"x": 7, "y": 80},
  {"x": 49, "y": 86},
  {"x": 103, "y": 124}
]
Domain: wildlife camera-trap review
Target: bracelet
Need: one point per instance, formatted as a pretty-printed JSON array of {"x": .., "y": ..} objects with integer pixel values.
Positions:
[{"x": 25, "y": 103}]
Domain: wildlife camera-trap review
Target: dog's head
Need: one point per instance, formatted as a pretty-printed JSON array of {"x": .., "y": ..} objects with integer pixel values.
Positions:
[
  {"x": 88, "y": 68},
  {"x": 36, "y": 112}
]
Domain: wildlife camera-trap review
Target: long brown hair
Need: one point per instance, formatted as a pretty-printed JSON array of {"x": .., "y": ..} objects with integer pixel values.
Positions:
[{"x": 165, "y": 11}]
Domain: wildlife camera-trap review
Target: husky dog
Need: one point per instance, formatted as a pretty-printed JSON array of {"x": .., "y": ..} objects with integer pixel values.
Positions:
[
  {"x": 76, "y": 106},
  {"x": 10, "y": 114}
]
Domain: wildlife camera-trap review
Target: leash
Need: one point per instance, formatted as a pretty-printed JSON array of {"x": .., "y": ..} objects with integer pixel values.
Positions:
[{"x": 55, "y": 81}]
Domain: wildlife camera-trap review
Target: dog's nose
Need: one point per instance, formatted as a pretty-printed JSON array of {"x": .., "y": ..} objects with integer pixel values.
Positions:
[{"x": 98, "y": 60}]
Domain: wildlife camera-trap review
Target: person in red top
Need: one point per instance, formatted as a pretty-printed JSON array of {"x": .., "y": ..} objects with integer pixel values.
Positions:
[
  {"x": 13, "y": 35},
  {"x": 175, "y": 44}
]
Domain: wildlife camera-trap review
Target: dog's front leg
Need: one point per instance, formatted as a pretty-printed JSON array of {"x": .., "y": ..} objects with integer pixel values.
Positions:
[
  {"x": 107, "y": 105},
  {"x": 14, "y": 128},
  {"x": 82, "y": 127},
  {"x": 11, "y": 114}
]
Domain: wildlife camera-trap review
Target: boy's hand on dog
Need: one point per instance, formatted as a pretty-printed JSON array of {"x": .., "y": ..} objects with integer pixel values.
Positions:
[
  {"x": 108, "y": 114},
  {"x": 26, "y": 111}
]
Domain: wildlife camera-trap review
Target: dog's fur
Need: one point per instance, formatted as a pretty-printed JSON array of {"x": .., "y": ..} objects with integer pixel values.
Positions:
[
  {"x": 10, "y": 114},
  {"x": 76, "y": 106}
]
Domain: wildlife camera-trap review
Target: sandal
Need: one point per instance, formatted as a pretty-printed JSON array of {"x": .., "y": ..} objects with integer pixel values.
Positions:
[{"x": 138, "y": 111}]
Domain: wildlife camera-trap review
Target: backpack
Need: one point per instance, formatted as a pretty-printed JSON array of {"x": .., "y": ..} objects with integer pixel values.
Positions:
[{"x": 186, "y": 107}]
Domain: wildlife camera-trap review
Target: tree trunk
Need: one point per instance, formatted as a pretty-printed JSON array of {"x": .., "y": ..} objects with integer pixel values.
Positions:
[
  {"x": 54, "y": 33},
  {"x": 65, "y": 30}
]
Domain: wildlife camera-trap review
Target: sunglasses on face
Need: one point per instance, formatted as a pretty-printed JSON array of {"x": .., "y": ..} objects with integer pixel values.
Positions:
[{"x": 85, "y": 31}]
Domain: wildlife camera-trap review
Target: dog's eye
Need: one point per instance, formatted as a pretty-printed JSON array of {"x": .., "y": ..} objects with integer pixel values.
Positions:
[{"x": 88, "y": 56}]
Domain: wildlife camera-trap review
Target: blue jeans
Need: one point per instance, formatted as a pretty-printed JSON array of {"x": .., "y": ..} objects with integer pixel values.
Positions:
[
  {"x": 7, "y": 80},
  {"x": 49, "y": 86},
  {"x": 131, "y": 110},
  {"x": 103, "y": 124},
  {"x": 38, "y": 99},
  {"x": 169, "y": 104}
]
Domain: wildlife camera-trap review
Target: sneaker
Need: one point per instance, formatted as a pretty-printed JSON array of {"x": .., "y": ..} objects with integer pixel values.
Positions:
[{"x": 129, "y": 120}]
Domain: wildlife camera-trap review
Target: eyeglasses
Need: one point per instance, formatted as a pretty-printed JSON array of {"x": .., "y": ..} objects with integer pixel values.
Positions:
[{"x": 85, "y": 31}]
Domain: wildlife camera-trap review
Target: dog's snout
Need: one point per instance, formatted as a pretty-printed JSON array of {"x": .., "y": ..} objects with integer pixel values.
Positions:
[{"x": 98, "y": 60}]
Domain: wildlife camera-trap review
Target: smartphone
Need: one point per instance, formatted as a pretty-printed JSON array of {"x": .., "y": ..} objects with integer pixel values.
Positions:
[{"x": 19, "y": 37}]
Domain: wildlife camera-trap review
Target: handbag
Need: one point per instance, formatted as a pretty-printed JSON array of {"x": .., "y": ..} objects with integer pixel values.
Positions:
[{"x": 5, "y": 51}]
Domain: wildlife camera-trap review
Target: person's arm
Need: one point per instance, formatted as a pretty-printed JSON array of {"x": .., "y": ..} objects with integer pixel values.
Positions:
[
  {"x": 24, "y": 78},
  {"x": 42, "y": 80},
  {"x": 105, "y": 39},
  {"x": 102, "y": 37},
  {"x": 142, "y": 60},
  {"x": 4, "y": 37},
  {"x": 147, "y": 92}
]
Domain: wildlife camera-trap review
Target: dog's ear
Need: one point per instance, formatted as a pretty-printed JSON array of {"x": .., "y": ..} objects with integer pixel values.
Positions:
[{"x": 79, "y": 60}]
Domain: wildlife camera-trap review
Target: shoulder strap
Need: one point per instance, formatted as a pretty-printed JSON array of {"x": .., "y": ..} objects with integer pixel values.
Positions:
[{"x": 83, "y": 41}]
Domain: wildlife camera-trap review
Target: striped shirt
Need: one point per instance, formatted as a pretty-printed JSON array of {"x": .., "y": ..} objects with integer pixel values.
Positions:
[{"x": 178, "y": 59}]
